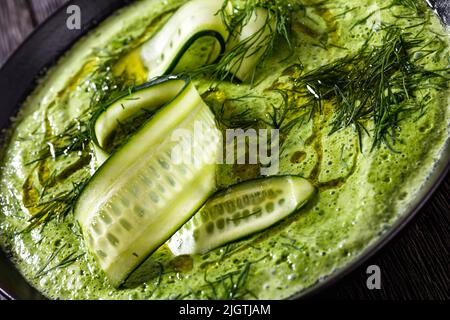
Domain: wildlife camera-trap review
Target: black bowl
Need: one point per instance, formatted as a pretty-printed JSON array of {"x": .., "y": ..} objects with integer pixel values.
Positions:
[{"x": 49, "y": 42}]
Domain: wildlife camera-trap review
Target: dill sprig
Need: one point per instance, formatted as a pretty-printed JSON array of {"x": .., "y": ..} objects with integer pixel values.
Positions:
[
  {"x": 58, "y": 207},
  {"x": 279, "y": 112},
  {"x": 75, "y": 140},
  {"x": 231, "y": 285},
  {"x": 225, "y": 112},
  {"x": 379, "y": 83},
  {"x": 48, "y": 261},
  {"x": 103, "y": 86},
  {"x": 64, "y": 262},
  {"x": 277, "y": 24},
  {"x": 417, "y": 7}
]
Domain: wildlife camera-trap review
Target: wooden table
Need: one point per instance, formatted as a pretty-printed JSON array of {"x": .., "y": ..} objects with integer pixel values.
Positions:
[{"x": 415, "y": 265}]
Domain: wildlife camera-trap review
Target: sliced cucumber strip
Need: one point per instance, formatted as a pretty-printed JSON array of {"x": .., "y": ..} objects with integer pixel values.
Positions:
[
  {"x": 129, "y": 110},
  {"x": 193, "y": 37},
  {"x": 241, "y": 210},
  {"x": 141, "y": 195},
  {"x": 246, "y": 48}
]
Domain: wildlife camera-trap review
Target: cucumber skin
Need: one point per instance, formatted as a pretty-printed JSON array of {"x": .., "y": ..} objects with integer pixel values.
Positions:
[
  {"x": 240, "y": 68},
  {"x": 219, "y": 37},
  {"x": 243, "y": 66},
  {"x": 214, "y": 28},
  {"x": 192, "y": 237},
  {"x": 93, "y": 195},
  {"x": 123, "y": 100},
  {"x": 100, "y": 152}
]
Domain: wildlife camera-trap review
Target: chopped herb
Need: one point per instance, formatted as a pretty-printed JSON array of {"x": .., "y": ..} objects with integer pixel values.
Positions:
[
  {"x": 417, "y": 7},
  {"x": 64, "y": 262},
  {"x": 279, "y": 15},
  {"x": 58, "y": 207},
  {"x": 230, "y": 286},
  {"x": 104, "y": 87},
  {"x": 378, "y": 83}
]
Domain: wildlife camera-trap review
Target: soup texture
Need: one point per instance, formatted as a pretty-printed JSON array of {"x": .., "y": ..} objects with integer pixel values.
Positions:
[{"x": 368, "y": 164}]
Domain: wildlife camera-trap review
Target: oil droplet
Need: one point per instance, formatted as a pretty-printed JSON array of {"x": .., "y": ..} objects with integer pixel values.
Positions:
[{"x": 298, "y": 157}]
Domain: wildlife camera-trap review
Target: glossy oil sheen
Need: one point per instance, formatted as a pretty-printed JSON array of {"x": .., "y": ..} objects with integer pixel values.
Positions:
[{"x": 361, "y": 193}]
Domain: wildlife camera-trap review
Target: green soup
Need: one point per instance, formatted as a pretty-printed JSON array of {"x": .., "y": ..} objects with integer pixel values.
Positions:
[{"x": 363, "y": 191}]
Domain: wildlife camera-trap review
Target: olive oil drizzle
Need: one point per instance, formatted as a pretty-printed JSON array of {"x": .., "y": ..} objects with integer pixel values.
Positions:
[
  {"x": 79, "y": 143},
  {"x": 75, "y": 140},
  {"x": 391, "y": 72},
  {"x": 280, "y": 15},
  {"x": 100, "y": 79}
]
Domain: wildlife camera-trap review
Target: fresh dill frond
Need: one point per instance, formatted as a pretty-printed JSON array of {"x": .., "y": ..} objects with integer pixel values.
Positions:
[
  {"x": 58, "y": 207},
  {"x": 417, "y": 7},
  {"x": 227, "y": 115},
  {"x": 64, "y": 262},
  {"x": 231, "y": 285},
  {"x": 48, "y": 261},
  {"x": 378, "y": 83},
  {"x": 74, "y": 139},
  {"x": 103, "y": 86},
  {"x": 279, "y": 112},
  {"x": 417, "y": 10},
  {"x": 262, "y": 42}
]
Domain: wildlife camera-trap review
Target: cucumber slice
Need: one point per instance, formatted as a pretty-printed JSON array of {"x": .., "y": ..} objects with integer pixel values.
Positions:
[
  {"x": 193, "y": 37},
  {"x": 140, "y": 196},
  {"x": 241, "y": 210},
  {"x": 129, "y": 110},
  {"x": 249, "y": 45}
]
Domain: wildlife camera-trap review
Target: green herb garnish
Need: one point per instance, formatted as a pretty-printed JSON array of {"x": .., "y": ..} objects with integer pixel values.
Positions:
[
  {"x": 278, "y": 23},
  {"x": 104, "y": 87},
  {"x": 58, "y": 207},
  {"x": 64, "y": 262},
  {"x": 379, "y": 83},
  {"x": 417, "y": 7},
  {"x": 230, "y": 286}
]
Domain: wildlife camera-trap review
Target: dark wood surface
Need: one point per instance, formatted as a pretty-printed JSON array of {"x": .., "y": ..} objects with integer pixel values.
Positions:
[{"x": 415, "y": 265}]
